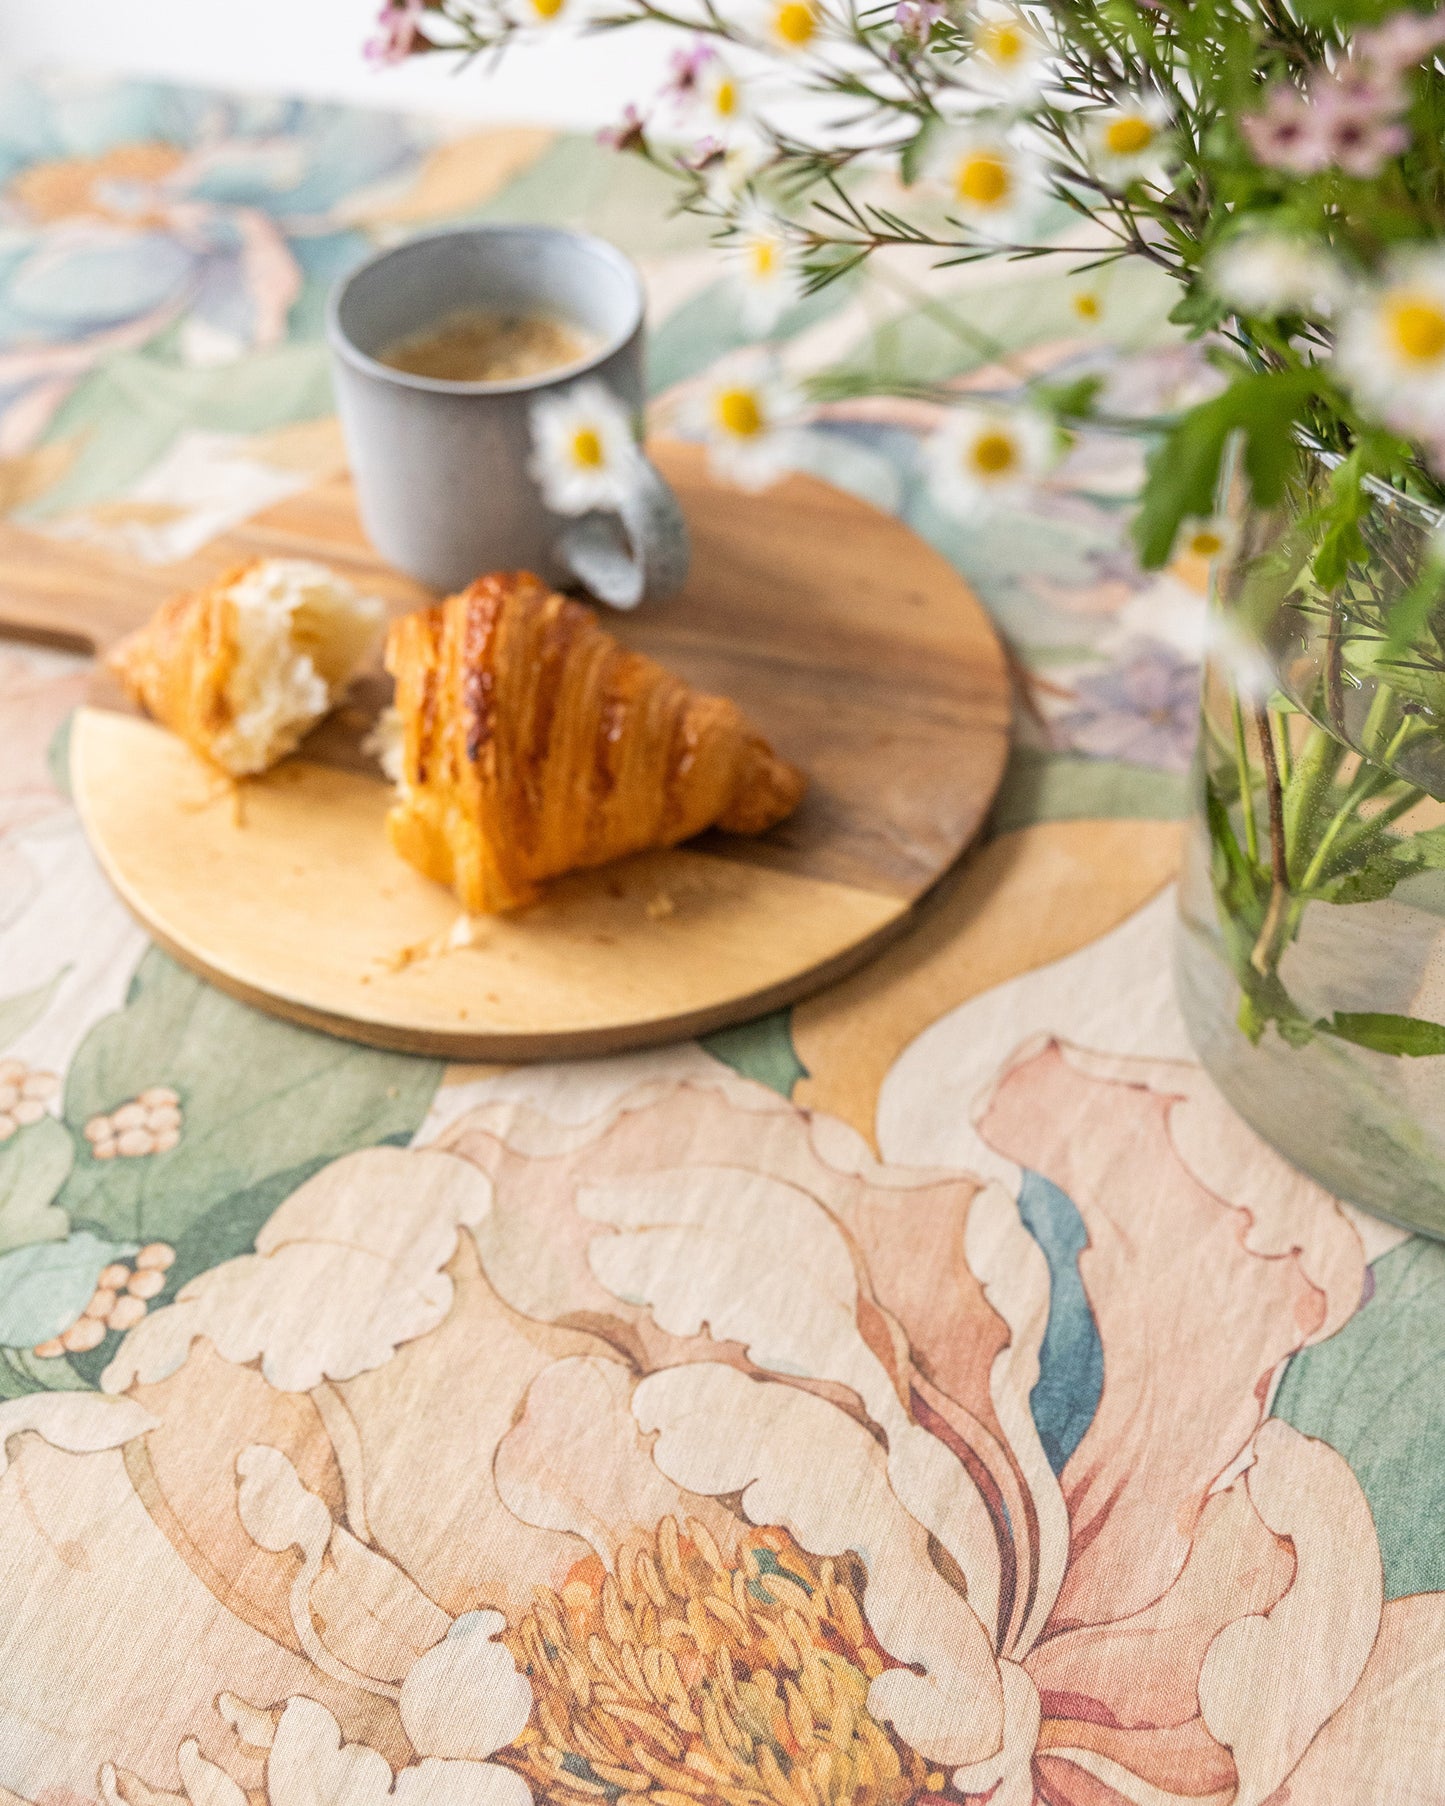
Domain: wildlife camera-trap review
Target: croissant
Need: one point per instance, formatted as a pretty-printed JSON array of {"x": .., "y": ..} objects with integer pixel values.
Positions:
[
  {"x": 244, "y": 669},
  {"x": 532, "y": 743}
]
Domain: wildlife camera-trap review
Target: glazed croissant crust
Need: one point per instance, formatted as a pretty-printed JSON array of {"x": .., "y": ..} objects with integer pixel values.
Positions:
[
  {"x": 243, "y": 669},
  {"x": 534, "y": 744}
]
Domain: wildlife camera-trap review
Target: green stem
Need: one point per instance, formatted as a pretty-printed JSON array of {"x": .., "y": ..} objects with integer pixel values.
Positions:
[
  {"x": 1282, "y": 746},
  {"x": 1275, "y": 931},
  {"x": 1319, "y": 760},
  {"x": 1246, "y": 781},
  {"x": 1369, "y": 780}
]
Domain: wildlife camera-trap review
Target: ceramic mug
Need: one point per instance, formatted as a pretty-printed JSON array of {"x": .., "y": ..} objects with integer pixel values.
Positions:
[{"x": 441, "y": 467}]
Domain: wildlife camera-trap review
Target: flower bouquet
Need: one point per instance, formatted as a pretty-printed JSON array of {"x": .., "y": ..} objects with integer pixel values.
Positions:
[{"x": 1284, "y": 162}]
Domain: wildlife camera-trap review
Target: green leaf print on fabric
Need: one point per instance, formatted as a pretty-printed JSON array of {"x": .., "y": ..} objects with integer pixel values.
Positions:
[
  {"x": 577, "y": 183},
  {"x": 23, "y": 1372},
  {"x": 45, "y": 1287},
  {"x": 710, "y": 325},
  {"x": 950, "y": 335},
  {"x": 127, "y": 414},
  {"x": 1376, "y": 1393},
  {"x": 18, "y": 1012},
  {"x": 1040, "y": 786},
  {"x": 258, "y": 1097},
  {"x": 762, "y": 1050},
  {"x": 33, "y": 1166}
]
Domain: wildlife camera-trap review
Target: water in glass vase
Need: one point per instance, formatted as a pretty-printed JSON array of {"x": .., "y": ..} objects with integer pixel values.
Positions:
[
  {"x": 1311, "y": 953},
  {"x": 1311, "y": 950}
]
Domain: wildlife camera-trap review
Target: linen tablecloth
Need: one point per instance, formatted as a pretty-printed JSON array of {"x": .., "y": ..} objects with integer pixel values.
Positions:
[{"x": 931, "y": 1390}]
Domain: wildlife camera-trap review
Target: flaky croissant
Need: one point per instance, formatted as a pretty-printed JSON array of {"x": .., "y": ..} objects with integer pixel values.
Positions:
[
  {"x": 243, "y": 669},
  {"x": 534, "y": 744}
]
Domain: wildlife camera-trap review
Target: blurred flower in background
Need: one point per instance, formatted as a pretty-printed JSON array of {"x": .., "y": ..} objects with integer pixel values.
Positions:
[
  {"x": 1142, "y": 711},
  {"x": 982, "y": 458},
  {"x": 134, "y": 212},
  {"x": 750, "y": 417}
]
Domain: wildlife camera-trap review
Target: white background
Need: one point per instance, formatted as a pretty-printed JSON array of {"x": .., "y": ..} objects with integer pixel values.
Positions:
[{"x": 314, "y": 47}]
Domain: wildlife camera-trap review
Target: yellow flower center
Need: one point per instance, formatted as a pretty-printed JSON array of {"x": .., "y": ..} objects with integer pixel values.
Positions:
[
  {"x": 685, "y": 1675},
  {"x": 725, "y": 98},
  {"x": 587, "y": 449},
  {"x": 1206, "y": 542},
  {"x": 1416, "y": 327},
  {"x": 737, "y": 412},
  {"x": 547, "y": 9},
  {"x": 1128, "y": 135},
  {"x": 983, "y": 179},
  {"x": 763, "y": 257},
  {"x": 796, "y": 23},
  {"x": 993, "y": 453},
  {"x": 1086, "y": 305},
  {"x": 1003, "y": 43}
]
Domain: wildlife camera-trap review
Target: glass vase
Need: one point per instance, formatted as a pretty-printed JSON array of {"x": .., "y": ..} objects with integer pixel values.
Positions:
[{"x": 1311, "y": 947}]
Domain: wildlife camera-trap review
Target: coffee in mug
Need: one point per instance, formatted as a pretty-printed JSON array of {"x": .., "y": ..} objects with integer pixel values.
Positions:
[{"x": 481, "y": 345}]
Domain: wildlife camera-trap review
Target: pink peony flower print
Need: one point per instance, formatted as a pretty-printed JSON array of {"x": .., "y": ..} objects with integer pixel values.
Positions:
[{"x": 685, "y": 1450}]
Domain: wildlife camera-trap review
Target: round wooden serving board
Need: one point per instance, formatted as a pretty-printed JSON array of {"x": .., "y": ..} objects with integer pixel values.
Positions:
[{"x": 856, "y": 648}]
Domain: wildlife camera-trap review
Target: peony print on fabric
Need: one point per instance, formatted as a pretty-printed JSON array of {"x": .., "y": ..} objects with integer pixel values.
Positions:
[
  {"x": 686, "y": 1452},
  {"x": 972, "y": 1411}
]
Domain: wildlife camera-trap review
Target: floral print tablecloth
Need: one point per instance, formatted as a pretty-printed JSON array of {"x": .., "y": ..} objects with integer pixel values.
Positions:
[{"x": 932, "y": 1391}]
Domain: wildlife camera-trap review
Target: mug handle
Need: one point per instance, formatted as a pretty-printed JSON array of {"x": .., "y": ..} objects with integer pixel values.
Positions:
[{"x": 638, "y": 554}]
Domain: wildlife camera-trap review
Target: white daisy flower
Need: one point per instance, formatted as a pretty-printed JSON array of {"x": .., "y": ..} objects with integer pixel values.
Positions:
[
  {"x": 982, "y": 458},
  {"x": 792, "y": 26},
  {"x": 1390, "y": 349},
  {"x": 549, "y": 15},
  {"x": 706, "y": 91},
  {"x": 1210, "y": 538},
  {"x": 992, "y": 184},
  {"x": 583, "y": 450},
  {"x": 749, "y": 417},
  {"x": 1271, "y": 273},
  {"x": 1010, "y": 55},
  {"x": 1130, "y": 141},
  {"x": 721, "y": 97},
  {"x": 766, "y": 266}
]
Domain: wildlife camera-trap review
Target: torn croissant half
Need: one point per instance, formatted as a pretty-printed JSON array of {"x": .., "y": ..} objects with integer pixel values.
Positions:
[
  {"x": 532, "y": 744},
  {"x": 244, "y": 669}
]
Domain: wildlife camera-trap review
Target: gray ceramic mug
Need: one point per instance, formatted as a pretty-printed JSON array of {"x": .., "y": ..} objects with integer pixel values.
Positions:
[{"x": 441, "y": 468}]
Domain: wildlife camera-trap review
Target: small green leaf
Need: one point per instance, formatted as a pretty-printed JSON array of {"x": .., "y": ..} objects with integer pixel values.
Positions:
[
  {"x": 1069, "y": 401},
  {"x": 17, "y": 1013},
  {"x": 258, "y": 1097},
  {"x": 910, "y": 161},
  {"x": 34, "y": 1165},
  {"x": 1182, "y": 472},
  {"x": 45, "y": 1287},
  {"x": 762, "y": 1050},
  {"x": 1409, "y": 1036},
  {"x": 1375, "y": 1392}
]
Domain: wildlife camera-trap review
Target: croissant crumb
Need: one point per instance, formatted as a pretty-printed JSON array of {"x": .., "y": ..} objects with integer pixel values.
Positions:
[
  {"x": 534, "y": 744},
  {"x": 244, "y": 669}
]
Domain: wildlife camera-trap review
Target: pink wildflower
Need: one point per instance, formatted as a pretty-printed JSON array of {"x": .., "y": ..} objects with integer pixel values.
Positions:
[
  {"x": 398, "y": 25},
  {"x": 917, "y": 18},
  {"x": 629, "y": 134},
  {"x": 1286, "y": 133},
  {"x": 687, "y": 69},
  {"x": 1360, "y": 81},
  {"x": 1404, "y": 40},
  {"x": 1359, "y": 139}
]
